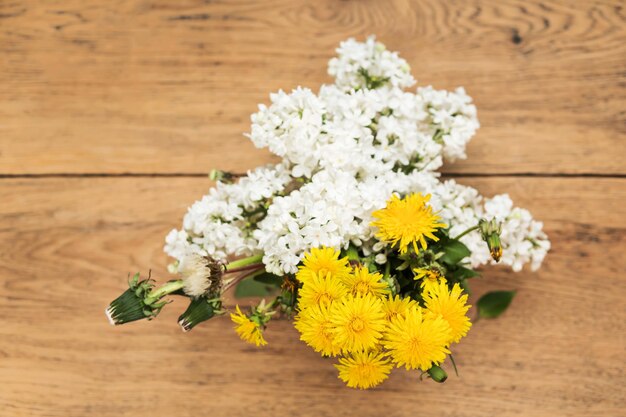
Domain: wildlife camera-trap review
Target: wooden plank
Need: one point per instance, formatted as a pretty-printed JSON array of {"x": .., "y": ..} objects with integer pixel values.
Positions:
[
  {"x": 144, "y": 87},
  {"x": 66, "y": 245}
]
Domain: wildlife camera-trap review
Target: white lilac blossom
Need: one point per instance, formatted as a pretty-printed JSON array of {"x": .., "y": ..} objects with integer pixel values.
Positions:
[
  {"x": 220, "y": 224},
  {"x": 523, "y": 240},
  {"x": 345, "y": 151},
  {"x": 359, "y": 64}
]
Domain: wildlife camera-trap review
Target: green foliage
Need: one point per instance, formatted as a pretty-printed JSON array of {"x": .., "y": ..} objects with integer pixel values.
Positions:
[
  {"x": 462, "y": 273},
  {"x": 454, "y": 252},
  {"x": 261, "y": 285},
  {"x": 269, "y": 279},
  {"x": 493, "y": 304}
]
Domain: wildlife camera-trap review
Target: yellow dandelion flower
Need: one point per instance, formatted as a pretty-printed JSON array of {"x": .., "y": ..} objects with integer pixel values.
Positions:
[
  {"x": 322, "y": 261},
  {"x": 451, "y": 305},
  {"x": 417, "y": 340},
  {"x": 407, "y": 221},
  {"x": 359, "y": 322},
  {"x": 429, "y": 277},
  {"x": 364, "y": 370},
  {"x": 248, "y": 330},
  {"x": 363, "y": 282},
  {"x": 314, "y": 326},
  {"x": 320, "y": 289},
  {"x": 396, "y": 306}
]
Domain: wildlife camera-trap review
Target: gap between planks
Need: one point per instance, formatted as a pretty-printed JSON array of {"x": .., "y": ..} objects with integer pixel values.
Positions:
[{"x": 203, "y": 175}]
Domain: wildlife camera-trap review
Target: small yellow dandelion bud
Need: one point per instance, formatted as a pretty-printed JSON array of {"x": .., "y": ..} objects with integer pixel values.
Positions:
[{"x": 490, "y": 231}]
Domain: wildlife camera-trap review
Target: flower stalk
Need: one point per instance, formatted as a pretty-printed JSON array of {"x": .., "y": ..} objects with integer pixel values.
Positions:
[
  {"x": 243, "y": 262},
  {"x": 469, "y": 230},
  {"x": 165, "y": 289}
]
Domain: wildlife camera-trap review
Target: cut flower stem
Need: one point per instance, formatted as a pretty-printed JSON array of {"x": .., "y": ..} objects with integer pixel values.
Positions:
[
  {"x": 471, "y": 229},
  {"x": 255, "y": 259},
  {"x": 163, "y": 290}
]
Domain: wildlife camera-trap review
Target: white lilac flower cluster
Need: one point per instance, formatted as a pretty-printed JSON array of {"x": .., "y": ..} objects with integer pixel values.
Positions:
[{"x": 344, "y": 152}]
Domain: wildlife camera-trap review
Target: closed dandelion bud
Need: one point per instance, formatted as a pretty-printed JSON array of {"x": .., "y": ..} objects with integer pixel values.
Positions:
[
  {"x": 130, "y": 306},
  {"x": 490, "y": 231},
  {"x": 495, "y": 247},
  {"x": 437, "y": 374},
  {"x": 140, "y": 301},
  {"x": 200, "y": 309}
]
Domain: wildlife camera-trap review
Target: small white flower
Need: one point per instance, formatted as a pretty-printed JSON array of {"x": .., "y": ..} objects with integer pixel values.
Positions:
[{"x": 345, "y": 151}]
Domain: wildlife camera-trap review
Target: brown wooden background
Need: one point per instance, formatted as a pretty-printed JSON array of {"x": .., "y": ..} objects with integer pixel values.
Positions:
[{"x": 112, "y": 113}]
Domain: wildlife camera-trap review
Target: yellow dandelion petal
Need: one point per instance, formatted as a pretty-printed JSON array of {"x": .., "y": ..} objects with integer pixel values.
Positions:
[
  {"x": 364, "y": 370},
  {"x": 314, "y": 326},
  {"x": 322, "y": 261},
  {"x": 248, "y": 330},
  {"x": 407, "y": 221},
  {"x": 452, "y": 306},
  {"x": 396, "y": 306},
  {"x": 320, "y": 289},
  {"x": 430, "y": 278},
  {"x": 363, "y": 282},
  {"x": 417, "y": 340},
  {"x": 358, "y": 322}
]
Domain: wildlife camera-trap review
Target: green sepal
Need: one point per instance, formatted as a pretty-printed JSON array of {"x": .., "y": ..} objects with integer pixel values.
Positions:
[
  {"x": 130, "y": 305},
  {"x": 456, "y": 371}
]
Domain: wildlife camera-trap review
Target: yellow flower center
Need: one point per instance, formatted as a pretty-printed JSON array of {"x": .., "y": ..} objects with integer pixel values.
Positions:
[
  {"x": 392, "y": 315},
  {"x": 324, "y": 298},
  {"x": 415, "y": 344},
  {"x": 357, "y": 324},
  {"x": 362, "y": 287}
]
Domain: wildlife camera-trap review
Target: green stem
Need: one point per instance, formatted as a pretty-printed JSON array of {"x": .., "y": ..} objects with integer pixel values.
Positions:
[
  {"x": 471, "y": 229},
  {"x": 244, "y": 262},
  {"x": 163, "y": 290},
  {"x": 387, "y": 270},
  {"x": 245, "y": 268},
  {"x": 243, "y": 276}
]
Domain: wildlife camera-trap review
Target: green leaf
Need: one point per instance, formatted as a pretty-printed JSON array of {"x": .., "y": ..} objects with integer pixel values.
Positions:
[
  {"x": 252, "y": 288},
  {"x": 462, "y": 273},
  {"x": 493, "y": 304},
  {"x": 454, "y": 252},
  {"x": 269, "y": 279}
]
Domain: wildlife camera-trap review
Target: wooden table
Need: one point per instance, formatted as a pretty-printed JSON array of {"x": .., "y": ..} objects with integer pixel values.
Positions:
[{"x": 113, "y": 112}]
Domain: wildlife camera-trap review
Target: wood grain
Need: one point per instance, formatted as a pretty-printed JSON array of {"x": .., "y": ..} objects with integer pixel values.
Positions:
[
  {"x": 66, "y": 245},
  {"x": 159, "y": 87}
]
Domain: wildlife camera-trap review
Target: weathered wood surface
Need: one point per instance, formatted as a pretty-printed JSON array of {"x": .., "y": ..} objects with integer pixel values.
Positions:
[
  {"x": 116, "y": 87},
  {"x": 105, "y": 86},
  {"x": 66, "y": 245}
]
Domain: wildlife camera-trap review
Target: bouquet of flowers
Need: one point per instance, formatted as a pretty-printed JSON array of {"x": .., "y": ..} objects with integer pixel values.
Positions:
[{"x": 352, "y": 234}]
